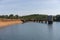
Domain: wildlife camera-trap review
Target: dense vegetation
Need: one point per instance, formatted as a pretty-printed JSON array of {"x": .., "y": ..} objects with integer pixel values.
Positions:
[
  {"x": 11, "y": 16},
  {"x": 30, "y": 17},
  {"x": 57, "y": 17},
  {"x": 35, "y": 17}
]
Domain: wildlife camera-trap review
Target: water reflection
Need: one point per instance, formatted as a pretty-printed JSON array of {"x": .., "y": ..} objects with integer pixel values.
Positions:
[
  {"x": 31, "y": 31},
  {"x": 50, "y": 31}
]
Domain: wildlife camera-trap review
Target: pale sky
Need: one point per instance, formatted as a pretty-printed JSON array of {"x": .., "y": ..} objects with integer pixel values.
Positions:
[{"x": 26, "y": 7}]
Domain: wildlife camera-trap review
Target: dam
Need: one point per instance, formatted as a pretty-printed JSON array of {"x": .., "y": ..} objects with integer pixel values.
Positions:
[{"x": 49, "y": 20}]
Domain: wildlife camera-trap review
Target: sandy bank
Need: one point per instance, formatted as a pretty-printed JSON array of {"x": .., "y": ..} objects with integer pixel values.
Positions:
[{"x": 7, "y": 22}]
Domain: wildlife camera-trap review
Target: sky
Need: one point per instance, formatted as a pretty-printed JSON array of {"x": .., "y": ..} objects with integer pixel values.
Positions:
[{"x": 27, "y": 7}]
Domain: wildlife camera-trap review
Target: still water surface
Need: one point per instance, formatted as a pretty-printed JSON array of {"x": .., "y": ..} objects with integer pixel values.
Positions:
[{"x": 31, "y": 31}]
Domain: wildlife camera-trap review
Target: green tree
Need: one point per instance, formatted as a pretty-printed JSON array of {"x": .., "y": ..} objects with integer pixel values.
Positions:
[
  {"x": 16, "y": 16},
  {"x": 57, "y": 17},
  {"x": 6, "y": 16},
  {"x": 11, "y": 16}
]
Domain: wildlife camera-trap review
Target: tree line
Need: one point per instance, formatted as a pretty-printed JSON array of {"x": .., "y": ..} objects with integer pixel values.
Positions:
[
  {"x": 30, "y": 17},
  {"x": 11, "y": 16}
]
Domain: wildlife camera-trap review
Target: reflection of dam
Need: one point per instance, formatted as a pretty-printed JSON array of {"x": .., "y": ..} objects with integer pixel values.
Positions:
[
  {"x": 49, "y": 20},
  {"x": 50, "y": 32}
]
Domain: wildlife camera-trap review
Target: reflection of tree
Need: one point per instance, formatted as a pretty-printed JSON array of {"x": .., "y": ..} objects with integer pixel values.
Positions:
[{"x": 50, "y": 31}]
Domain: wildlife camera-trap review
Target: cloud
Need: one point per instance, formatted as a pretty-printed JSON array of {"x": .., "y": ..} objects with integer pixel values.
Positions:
[{"x": 25, "y": 7}]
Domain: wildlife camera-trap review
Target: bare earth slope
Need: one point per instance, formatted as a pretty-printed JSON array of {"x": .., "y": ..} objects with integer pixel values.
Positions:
[{"x": 7, "y": 22}]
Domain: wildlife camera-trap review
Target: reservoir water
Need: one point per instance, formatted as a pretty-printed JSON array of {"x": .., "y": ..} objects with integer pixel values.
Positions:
[{"x": 31, "y": 31}]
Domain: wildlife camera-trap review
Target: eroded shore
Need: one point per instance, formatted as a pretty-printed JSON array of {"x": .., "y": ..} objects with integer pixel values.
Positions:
[{"x": 7, "y": 22}]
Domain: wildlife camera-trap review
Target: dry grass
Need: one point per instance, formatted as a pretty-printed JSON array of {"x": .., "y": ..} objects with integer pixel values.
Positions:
[{"x": 7, "y": 22}]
